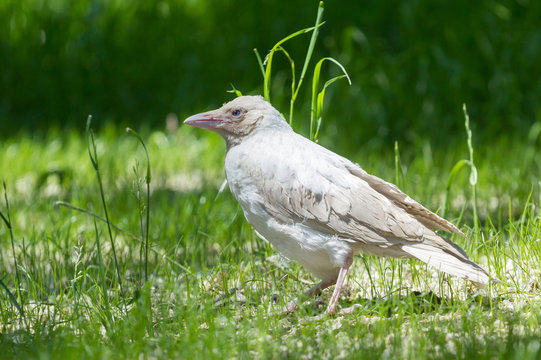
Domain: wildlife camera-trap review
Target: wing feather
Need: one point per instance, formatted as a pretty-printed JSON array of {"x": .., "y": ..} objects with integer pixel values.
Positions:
[{"x": 393, "y": 193}]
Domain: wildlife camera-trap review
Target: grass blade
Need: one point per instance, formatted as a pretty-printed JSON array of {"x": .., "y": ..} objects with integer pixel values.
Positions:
[
  {"x": 450, "y": 180},
  {"x": 473, "y": 172},
  {"x": 235, "y": 91},
  {"x": 292, "y": 65},
  {"x": 312, "y": 44},
  {"x": 148, "y": 179},
  {"x": 103, "y": 278},
  {"x": 94, "y": 158},
  {"x": 397, "y": 166},
  {"x": 13, "y": 299},
  {"x": 318, "y": 97},
  {"x": 7, "y": 220},
  {"x": 260, "y": 63},
  {"x": 270, "y": 56}
]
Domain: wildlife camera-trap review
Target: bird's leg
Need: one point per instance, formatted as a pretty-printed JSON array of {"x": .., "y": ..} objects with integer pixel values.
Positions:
[
  {"x": 331, "y": 308},
  {"x": 316, "y": 290}
]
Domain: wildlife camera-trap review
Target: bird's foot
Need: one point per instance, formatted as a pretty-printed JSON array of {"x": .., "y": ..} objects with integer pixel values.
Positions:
[
  {"x": 349, "y": 310},
  {"x": 290, "y": 308},
  {"x": 331, "y": 309},
  {"x": 332, "y": 312}
]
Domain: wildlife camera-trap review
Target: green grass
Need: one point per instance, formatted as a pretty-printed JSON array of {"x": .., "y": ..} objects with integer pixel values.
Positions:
[
  {"x": 213, "y": 284},
  {"x": 103, "y": 258}
]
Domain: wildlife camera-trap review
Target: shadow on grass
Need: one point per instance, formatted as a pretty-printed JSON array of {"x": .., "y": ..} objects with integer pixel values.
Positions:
[{"x": 416, "y": 303}]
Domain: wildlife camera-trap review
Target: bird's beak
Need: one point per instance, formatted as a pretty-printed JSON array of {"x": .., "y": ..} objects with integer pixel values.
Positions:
[{"x": 205, "y": 121}]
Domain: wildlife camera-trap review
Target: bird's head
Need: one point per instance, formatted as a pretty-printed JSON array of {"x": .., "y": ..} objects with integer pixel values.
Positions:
[{"x": 239, "y": 118}]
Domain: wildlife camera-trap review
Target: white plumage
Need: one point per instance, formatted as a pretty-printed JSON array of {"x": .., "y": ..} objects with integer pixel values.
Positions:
[{"x": 319, "y": 208}]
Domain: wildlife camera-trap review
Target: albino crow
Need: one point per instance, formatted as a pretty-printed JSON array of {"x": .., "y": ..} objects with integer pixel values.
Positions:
[{"x": 319, "y": 208}]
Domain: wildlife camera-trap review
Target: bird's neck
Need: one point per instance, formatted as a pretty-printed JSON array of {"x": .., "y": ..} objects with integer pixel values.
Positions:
[{"x": 231, "y": 142}]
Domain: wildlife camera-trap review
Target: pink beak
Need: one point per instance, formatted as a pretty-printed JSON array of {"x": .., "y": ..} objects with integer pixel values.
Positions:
[{"x": 204, "y": 121}]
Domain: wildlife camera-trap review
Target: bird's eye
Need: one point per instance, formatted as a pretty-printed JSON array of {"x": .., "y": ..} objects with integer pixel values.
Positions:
[{"x": 235, "y": 112}]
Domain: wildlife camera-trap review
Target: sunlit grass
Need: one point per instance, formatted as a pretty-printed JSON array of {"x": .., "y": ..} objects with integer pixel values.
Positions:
[{"x": 213, "y": 283}]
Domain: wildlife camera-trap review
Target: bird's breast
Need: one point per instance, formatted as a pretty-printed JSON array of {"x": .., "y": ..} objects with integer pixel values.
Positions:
[{"x": 242, "y": 182}]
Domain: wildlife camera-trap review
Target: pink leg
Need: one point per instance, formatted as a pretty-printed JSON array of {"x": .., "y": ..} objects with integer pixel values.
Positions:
[
  {"x": 331, "y": 309},
  {"x": 316, "y": 290}
]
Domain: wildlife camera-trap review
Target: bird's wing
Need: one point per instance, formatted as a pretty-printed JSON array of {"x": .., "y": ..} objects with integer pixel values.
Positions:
[
  {"x": 309, "y": 184},
  {"x": 400, "y": 199}
]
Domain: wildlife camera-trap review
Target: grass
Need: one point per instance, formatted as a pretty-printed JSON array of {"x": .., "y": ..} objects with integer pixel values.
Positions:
[
  {"x": 318, "y": 96},
  {"x": 212, "y": 283},
  {"x": 102, "y": 260}
]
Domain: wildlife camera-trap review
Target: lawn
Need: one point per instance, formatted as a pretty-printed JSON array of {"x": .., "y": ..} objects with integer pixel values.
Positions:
[
  {"x": 120, "y": 245},
  {"x": 215, "y": 290}
]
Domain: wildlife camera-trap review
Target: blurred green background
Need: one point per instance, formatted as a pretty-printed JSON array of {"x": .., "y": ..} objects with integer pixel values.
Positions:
[{"x": 412, "y": 63}]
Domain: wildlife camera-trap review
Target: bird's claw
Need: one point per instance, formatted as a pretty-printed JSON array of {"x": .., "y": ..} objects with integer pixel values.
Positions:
[
  {"x": 349, "y": 310},
  {"x": 290, "y": 308},
  {"x": 333, "y": 312}
]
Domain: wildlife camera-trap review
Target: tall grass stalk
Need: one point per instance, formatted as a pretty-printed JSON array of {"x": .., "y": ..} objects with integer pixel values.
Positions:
[
  {"x": 473, "y": 169},
  {"x": 397, "y": 166},
  {"x": 472, "y": 178},
  {"x": 7, "y": 220},
  {"x": 148, "y": 316},
  {"x": 307, "y": 58},
  {"x": 148, "y": 179},
  {"x": 93, "y": 153},
  {"x": 260, "y": 63}
]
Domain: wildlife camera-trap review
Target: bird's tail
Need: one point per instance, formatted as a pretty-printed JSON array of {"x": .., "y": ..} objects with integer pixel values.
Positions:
[{"x": 451, "y": 262}]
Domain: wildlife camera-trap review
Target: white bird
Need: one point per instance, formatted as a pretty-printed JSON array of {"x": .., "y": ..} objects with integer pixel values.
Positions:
[{"x": 319, "y": 208}]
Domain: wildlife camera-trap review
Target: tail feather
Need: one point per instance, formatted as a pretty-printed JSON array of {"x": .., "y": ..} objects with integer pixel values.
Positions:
[{"x": 450, "y": 263}]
